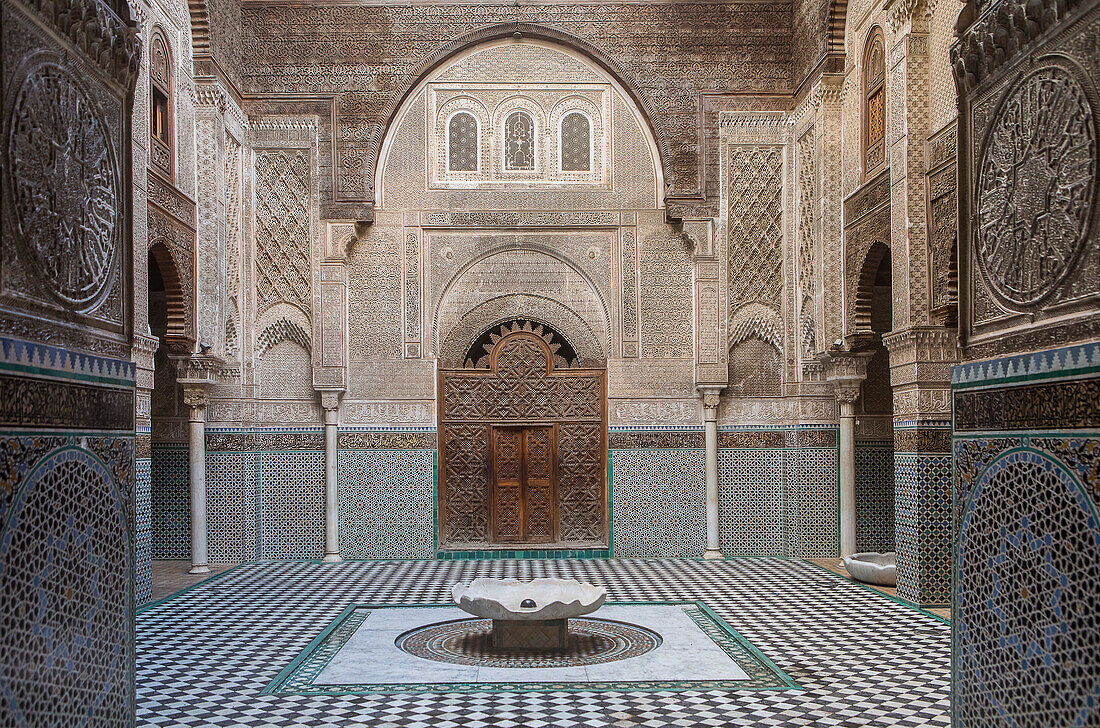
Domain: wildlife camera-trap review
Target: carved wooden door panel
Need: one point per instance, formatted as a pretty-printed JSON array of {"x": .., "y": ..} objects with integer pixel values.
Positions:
[
  {"x": 538, "y": 485},
  {"x": 507, "y": 497},
  {"x": 523, "y": 449},
  {"x": 523, "y": 484}
]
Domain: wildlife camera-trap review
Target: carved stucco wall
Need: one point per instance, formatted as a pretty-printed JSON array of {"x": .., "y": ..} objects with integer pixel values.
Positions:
[{"x": 322, "y": 50}]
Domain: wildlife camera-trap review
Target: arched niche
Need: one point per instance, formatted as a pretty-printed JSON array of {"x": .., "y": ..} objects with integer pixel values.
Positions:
[
  {"x": 520, "y": 283},
  {"x": 488, "y": 77}
]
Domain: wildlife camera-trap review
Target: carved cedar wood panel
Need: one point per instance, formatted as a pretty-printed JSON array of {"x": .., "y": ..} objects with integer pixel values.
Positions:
[{"x": 480, "y": 409}]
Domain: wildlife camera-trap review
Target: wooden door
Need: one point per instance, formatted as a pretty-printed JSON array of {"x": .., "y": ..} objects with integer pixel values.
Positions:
[{"x": 524, "y": 508}]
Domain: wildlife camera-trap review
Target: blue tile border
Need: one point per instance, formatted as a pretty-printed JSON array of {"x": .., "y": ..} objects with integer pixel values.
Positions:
[
  {"x": 1067, "y": 361},
  {"x": 44, "y": 360}
]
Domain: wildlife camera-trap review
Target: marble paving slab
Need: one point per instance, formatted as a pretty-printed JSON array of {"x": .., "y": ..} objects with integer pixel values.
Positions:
[{"x": 370, "y": 655}]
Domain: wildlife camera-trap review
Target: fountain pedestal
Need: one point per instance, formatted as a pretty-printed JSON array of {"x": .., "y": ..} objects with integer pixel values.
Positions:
[{"x": 530, "y": 634}]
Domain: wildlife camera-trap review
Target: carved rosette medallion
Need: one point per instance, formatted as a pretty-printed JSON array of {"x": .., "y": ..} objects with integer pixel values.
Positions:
[
  {"x": 64, "y": 185},
  {"x": 1036, "y": 187}
]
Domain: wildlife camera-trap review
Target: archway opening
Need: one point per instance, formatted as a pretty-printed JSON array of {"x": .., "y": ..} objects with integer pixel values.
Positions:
[
  {"x": 168, "y": 467},
  {"x": 875, "y": 511}
]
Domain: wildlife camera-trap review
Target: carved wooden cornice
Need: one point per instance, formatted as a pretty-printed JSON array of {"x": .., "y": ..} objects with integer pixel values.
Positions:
[
  {"x": 1003, "y": 31},
  {"x": 92, "y": 26}
]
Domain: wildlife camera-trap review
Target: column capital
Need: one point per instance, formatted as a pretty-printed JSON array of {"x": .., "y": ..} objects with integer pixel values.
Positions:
[
  {"x": 711, "y": 395},
  {"x": 330, "y": 399},
  {"x": 844, "y": 367},
  {"x": 197, "y": 398}
]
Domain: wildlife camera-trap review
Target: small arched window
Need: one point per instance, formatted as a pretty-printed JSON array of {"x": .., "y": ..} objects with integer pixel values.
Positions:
[
  {"x": 462, "y": 143},
  {"x": 519, "y": 141},
  {"x": 576, "y": 143},
  {"x": 162, "y": 144},
  {"x": 874, "y": 103}
]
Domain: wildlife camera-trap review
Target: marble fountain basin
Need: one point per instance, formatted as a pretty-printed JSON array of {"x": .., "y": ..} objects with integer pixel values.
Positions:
[
  {"x": 873, "y": 568},
  {"x": 529, "y": 615},
  {"x": 505, "y": 598}
]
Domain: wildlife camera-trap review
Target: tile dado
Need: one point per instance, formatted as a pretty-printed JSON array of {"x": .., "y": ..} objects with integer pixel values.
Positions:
[
  {"x": 70, "y": 516},
  {"x": 1026, "y": 456}
]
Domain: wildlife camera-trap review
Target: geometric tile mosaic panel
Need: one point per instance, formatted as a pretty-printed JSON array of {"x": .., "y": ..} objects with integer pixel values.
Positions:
[
  {"x": 874, "y": 496},
  {"x": 923, "y": 498},
  {"x": 751, "y": 501},
  {"x": 143, "y": 532},
  {"x": 292, "y": 505},
  {"x": 386, "y": 504},
  {"x": 170, "y": 498},
  {"x": 65, "y": 575},
  {"x": 659, "y": 508},
  {"x": 1027, "y": 649},
  {"x": 232, "y": 505},
  {"x": 812, "y": 502},
  {"x": 858, "y": 657}
]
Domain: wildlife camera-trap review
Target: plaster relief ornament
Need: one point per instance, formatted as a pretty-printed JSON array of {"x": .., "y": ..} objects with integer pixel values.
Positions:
[
  {"x": 1036, "y": 187},
  {"x": 64, "y": 186}
]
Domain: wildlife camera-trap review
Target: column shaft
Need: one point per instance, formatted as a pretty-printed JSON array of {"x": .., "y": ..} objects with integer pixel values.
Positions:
[
  {"x": 711, "y": 427},
  {"x": 332, "y": 504},
  {"x": 197, "y": 463},
  {"x": 847, "y": 479}
]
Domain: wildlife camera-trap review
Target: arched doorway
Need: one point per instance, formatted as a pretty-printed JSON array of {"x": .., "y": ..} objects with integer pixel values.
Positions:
[
  {"x": 874, "y": 502},
  {"x": 523, "y": 444}
]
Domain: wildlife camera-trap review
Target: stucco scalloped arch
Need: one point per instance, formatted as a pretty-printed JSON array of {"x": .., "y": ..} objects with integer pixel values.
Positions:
[
  {"x": 603, "y": 325},
  {"x": 443, "y": 54},
  {"x": 490, "y": 314}
]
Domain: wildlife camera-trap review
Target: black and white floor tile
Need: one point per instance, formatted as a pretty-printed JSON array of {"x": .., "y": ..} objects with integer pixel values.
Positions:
[{"x": 205, "y": 655}]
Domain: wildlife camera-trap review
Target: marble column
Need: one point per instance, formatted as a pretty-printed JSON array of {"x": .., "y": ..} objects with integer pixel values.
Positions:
[
  {"x": 198, "y": 375},
  {"x": 330, "y": 403},
  {"x": 710, "y": 426},
  {"x": 846, "y": 370},
  {"x": 846, "y": 396},
  {"x": 196, "y": 399}
]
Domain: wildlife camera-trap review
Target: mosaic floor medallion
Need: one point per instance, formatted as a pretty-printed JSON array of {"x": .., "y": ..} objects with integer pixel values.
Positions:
[{"x": 470, "y": 642}]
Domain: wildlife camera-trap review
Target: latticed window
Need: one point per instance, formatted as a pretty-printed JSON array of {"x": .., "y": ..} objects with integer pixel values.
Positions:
[
  {"x": 160, "y": 104},
  {"x": 874, "y": 103},
  {"x": 519, "y": 141},
  {"x": 576, "y": 148},
  {"x": 462, "y": 143}
]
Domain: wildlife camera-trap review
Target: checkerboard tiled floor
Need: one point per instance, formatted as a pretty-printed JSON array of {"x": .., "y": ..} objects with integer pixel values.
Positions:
[{"x": 863, "y": 660}]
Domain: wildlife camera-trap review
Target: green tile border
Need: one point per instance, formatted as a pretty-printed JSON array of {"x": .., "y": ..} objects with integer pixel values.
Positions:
[
  {"x": 297, "y": 677},
  {"x": 498, "y": 554},
  {"x": 898, "y": 600}
]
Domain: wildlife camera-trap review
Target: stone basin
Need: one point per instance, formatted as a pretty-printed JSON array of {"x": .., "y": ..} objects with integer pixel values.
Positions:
[
  {"x": 529, "y": 615},
  {"x": 873, "y": 567},
  {"x": 503, "y": 598}
]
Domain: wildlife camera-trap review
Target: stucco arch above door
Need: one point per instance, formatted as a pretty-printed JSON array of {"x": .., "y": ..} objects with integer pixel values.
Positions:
[{"x": 520, "y": 283}]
